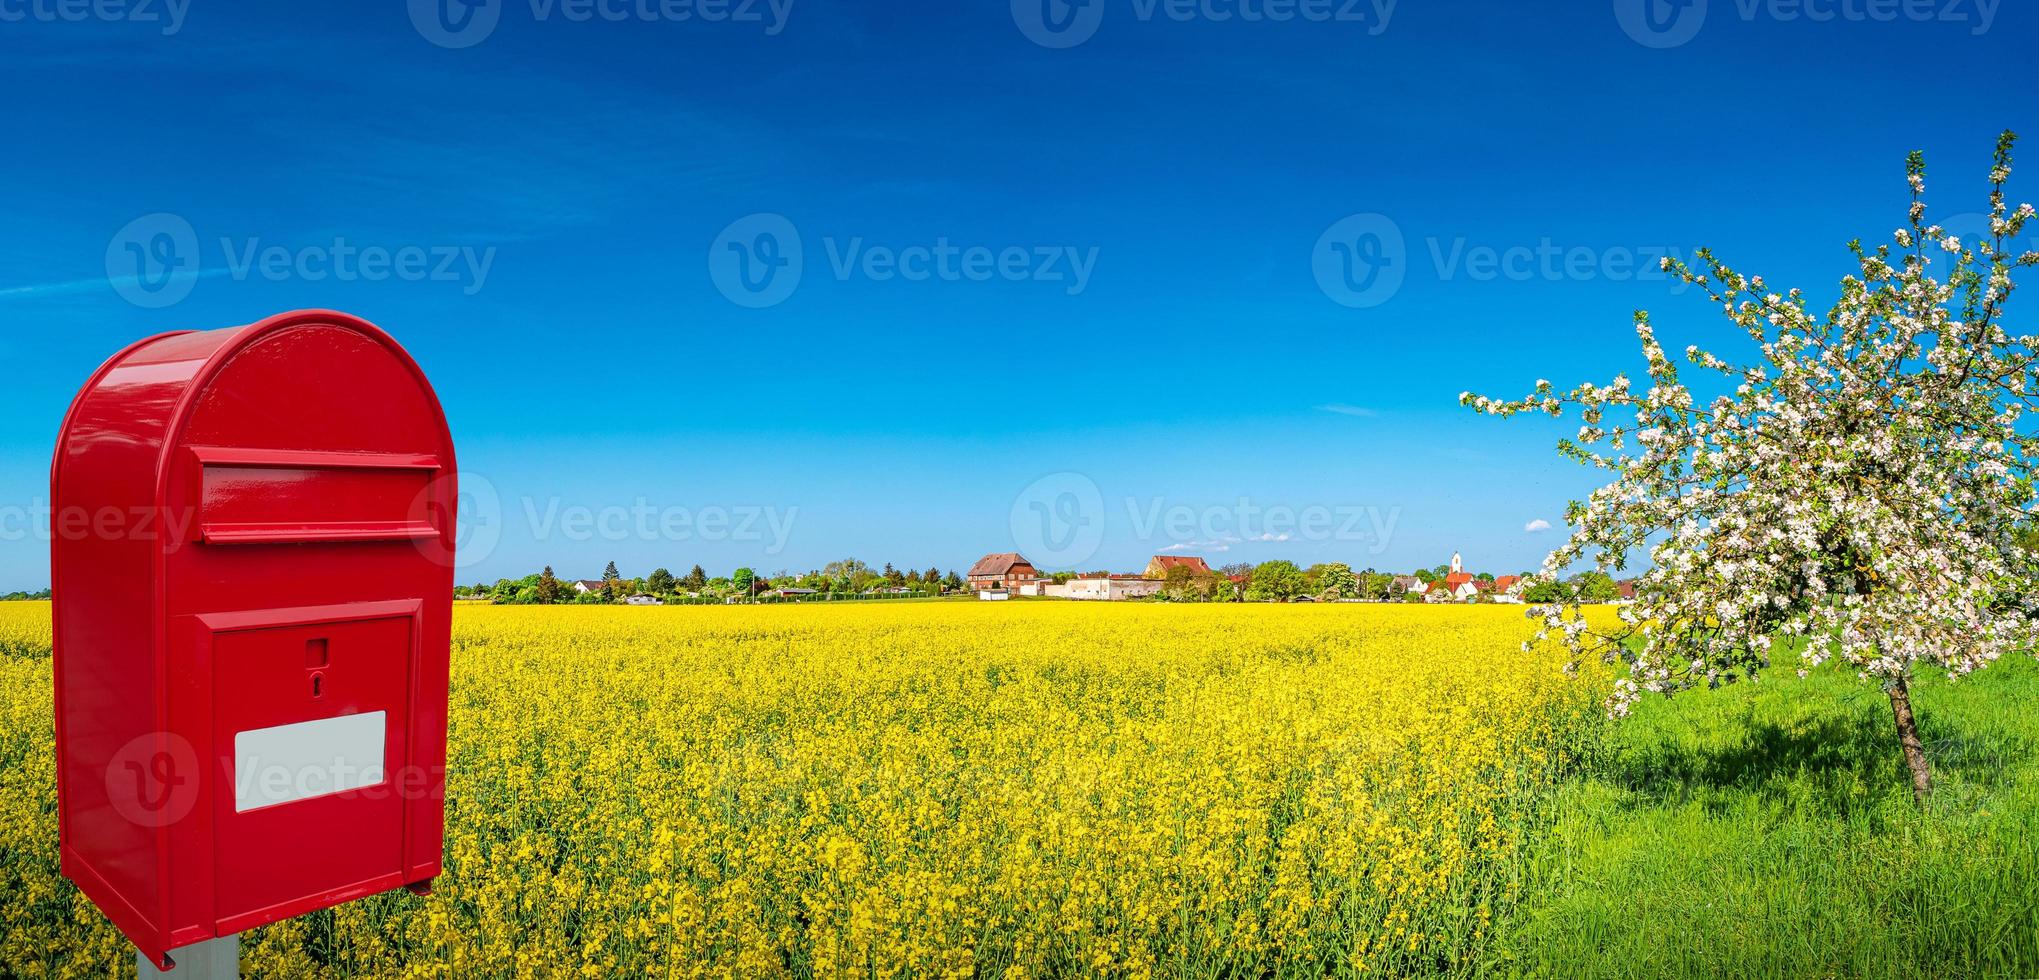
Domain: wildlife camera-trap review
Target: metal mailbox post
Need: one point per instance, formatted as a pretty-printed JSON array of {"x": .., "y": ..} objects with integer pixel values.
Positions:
[{"x": 252, "y": 557}]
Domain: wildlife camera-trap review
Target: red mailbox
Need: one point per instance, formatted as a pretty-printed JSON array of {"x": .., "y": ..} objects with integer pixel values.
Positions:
[{"x": 252, "y": 557}]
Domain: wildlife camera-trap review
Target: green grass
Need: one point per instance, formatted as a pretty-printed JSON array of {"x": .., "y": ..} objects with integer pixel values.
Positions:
[{"x": 1768, "y": 831}]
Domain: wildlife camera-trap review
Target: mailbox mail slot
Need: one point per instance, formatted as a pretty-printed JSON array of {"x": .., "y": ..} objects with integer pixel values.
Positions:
[
  {"x": 253, "y": 599},
  {"x": 252, "y": 498}
]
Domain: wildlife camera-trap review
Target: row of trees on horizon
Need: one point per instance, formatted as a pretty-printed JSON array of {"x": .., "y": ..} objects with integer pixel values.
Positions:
[
  {"x": 840, "y": 578},
  {"x": 1270, "y": 581}
]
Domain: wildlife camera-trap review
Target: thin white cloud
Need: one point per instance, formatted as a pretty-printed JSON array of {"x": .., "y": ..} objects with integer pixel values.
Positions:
[
  {"x": 1537, "y": 526},
  {"x": 51, "y": 288},
  {"x": 1355, "y": 411},
  {"x": 94, "y": 285},
  {"x": 1214, "y": 545}
]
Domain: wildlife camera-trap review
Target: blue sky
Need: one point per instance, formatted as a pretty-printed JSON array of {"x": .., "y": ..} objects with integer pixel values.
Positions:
[{"x": 1126, "y": 329}]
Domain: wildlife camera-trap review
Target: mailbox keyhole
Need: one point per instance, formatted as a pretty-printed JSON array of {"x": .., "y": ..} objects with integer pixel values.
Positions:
[{"x": 315, "y": 660}]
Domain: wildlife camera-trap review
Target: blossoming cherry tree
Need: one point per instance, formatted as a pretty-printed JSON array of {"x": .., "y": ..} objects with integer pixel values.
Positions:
[{"x": 1856, "y": 492}]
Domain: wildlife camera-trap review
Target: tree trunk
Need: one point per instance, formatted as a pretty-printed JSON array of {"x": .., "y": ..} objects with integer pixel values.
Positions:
[{"x": 1908, "y": 736}]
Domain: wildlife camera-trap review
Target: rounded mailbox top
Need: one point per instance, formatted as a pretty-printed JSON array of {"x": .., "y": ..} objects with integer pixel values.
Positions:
[{"x": 306, "y": 382}]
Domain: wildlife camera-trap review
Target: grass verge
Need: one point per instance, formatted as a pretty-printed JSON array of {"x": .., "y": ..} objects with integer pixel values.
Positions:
[{"x": 1768, "y": 831}]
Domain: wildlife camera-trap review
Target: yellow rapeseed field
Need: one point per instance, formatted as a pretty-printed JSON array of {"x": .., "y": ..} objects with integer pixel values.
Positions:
[{"x": 1020, "y": 789}]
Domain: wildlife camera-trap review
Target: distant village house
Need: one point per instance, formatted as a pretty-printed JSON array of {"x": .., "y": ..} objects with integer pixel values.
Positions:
[
  {"x": 1004, "y": 571},
  {"x": 1158, "y": 566}
]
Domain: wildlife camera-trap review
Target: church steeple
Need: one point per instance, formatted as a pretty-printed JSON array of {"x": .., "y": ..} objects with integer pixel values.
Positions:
[{"x": 1457, "y": 565}]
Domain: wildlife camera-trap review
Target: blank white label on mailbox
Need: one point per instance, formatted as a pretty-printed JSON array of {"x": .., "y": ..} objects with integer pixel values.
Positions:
[{"x": 309, "y": 759}]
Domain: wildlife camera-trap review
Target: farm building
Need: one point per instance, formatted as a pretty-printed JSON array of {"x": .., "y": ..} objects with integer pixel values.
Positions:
[
  {"x": 1001, "y": 571},
  {"x": 1158, "y": 566}
]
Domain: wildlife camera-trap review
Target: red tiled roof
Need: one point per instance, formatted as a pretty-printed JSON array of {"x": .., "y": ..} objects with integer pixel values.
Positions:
[
  {"x": 1192, "y": 562},
  {"x": 1456, "y": 579},
  {"x": 998, "y": 564}
]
